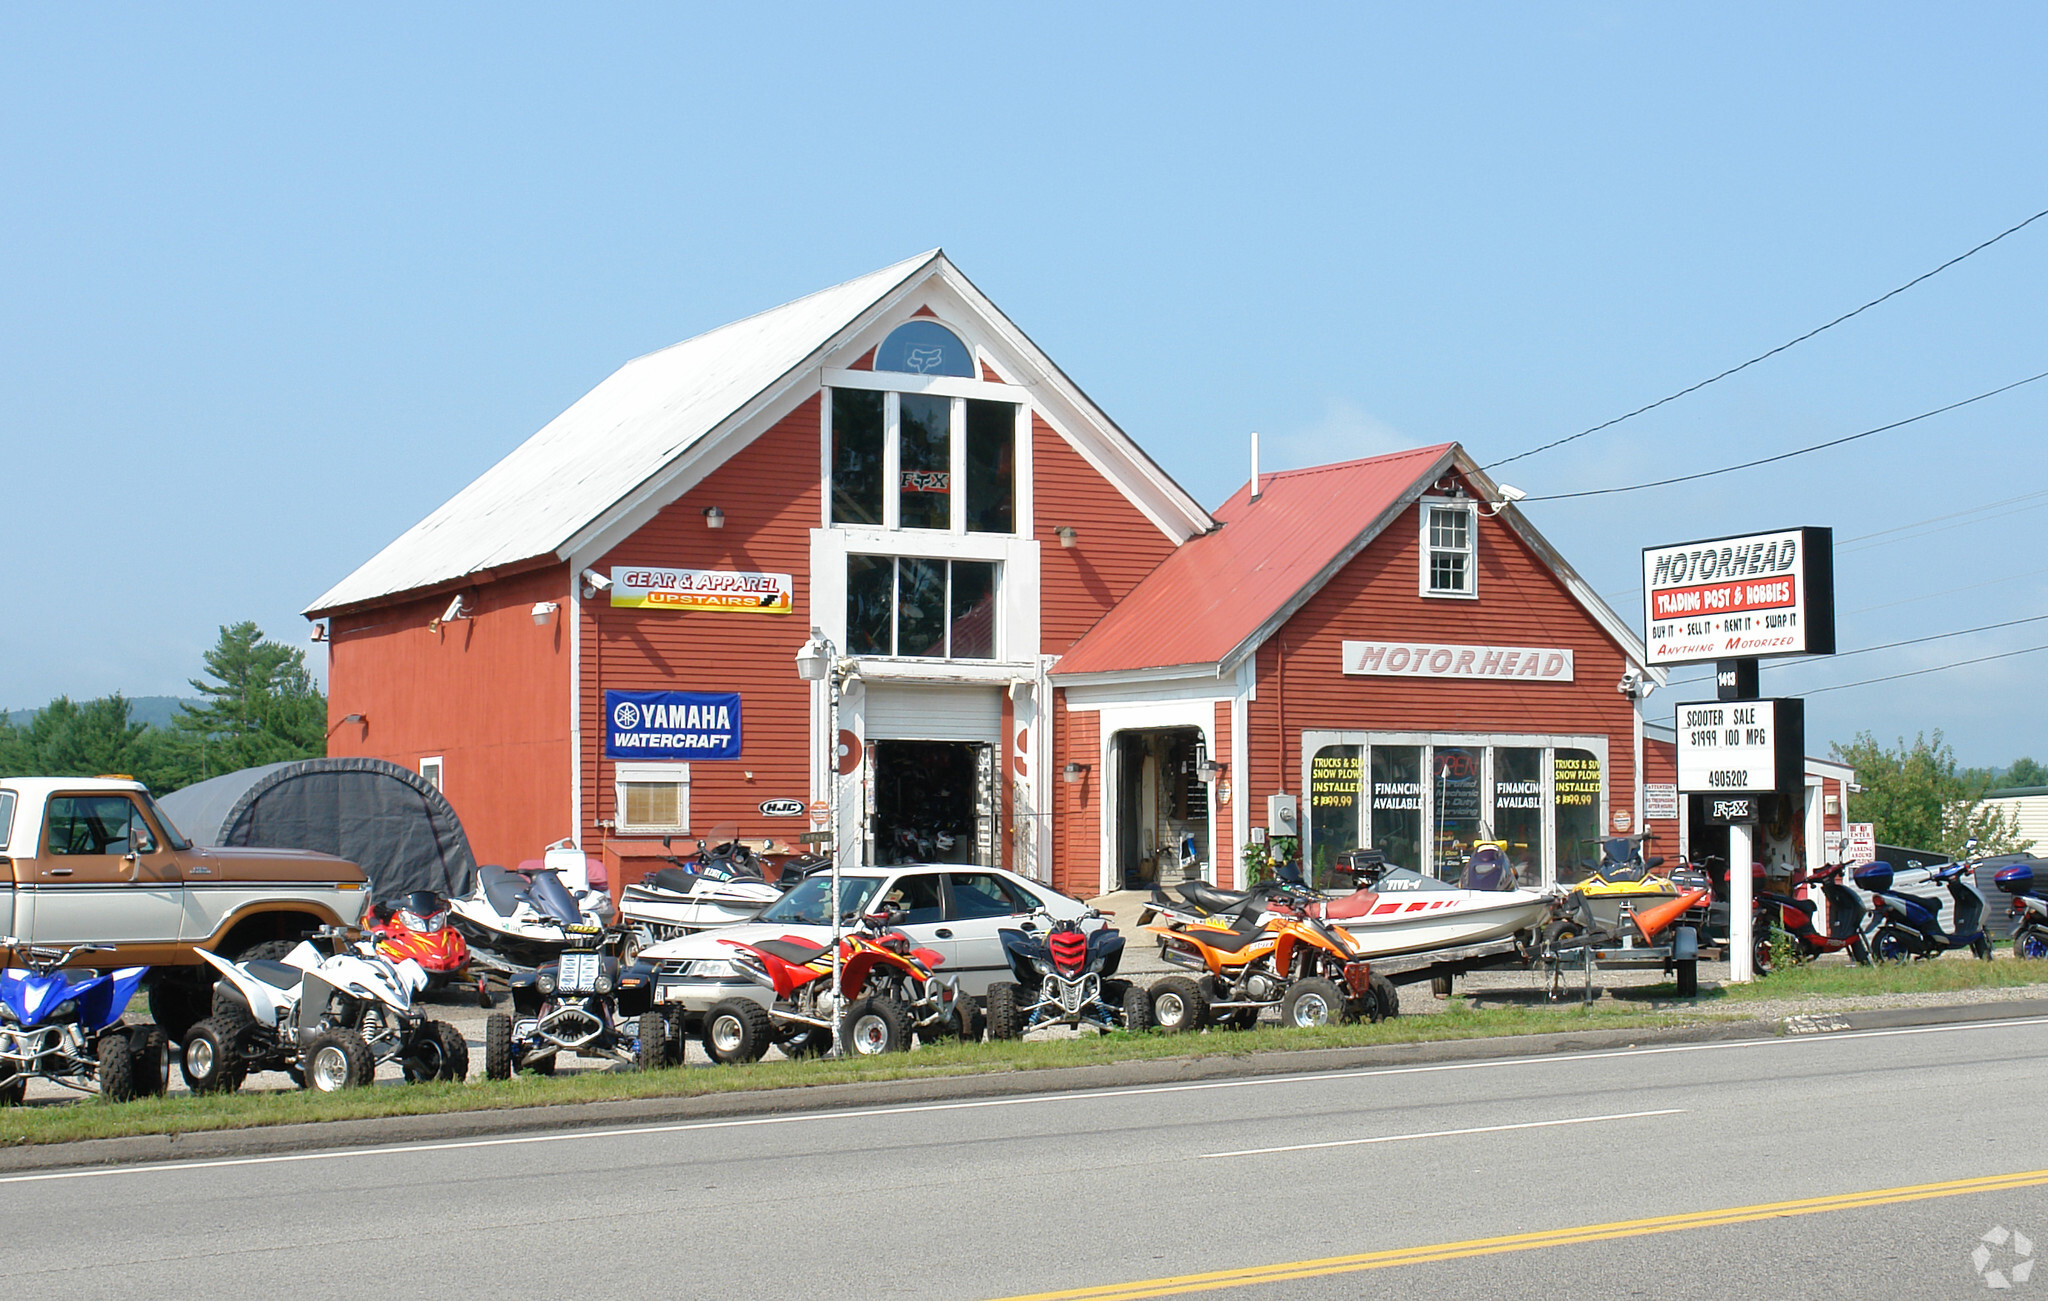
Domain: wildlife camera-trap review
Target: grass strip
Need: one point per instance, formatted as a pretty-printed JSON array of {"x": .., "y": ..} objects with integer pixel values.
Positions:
[
  {"x": 183, "y": 1114},
  {"x": 1824, "y": 980}
]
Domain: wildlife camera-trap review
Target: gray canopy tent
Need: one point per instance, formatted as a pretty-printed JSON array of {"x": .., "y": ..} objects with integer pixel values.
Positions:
[{"x": 387, "y": 819}]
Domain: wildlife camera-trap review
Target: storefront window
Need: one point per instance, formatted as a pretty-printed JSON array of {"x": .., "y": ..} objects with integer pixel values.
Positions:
[
  {"x": 1336, "y": 789},
  {"x": 856, "y": 457},
  {"x": 1575, "y": 782},
  {"x": 909, "y": 606},
  {"x": 1454, "y": 771},
  {"x": 1518, "y": 809},
  {"x": 991, "y": 467},
  {"x": 1396, "y": 827},
  {"x": 925, "y": 461}
]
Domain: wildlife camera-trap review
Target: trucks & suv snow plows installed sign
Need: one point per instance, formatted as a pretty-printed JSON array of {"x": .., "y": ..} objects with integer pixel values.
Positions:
[{"x": 1762, "y": 594}]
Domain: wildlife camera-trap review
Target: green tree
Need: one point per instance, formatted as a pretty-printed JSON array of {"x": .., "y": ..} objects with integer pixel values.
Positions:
[
  {"x": 68, "y": 739},
  {"x": 2025, "y": 772},
  {"x": 1917, "y": 798},
  {"x": 261, "y": 705}
]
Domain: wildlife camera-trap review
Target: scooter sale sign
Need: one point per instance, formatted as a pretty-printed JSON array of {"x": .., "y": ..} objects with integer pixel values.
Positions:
[
  {"x": 1748, "y": 597},
  {"x": 1737, "y": 747}
]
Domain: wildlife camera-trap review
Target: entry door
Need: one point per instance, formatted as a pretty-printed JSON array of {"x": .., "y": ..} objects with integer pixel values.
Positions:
[{"x": 103, "y": 875}]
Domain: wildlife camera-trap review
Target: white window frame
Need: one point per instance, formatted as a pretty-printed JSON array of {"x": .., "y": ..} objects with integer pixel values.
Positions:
[
  {"x": 892, "y": 453},
  {"x": 997, "y": 595},
  {"x": 650, "y": 774},
  {"x": 1470, "y": 551},
  {"x": 434, "y": 771}
]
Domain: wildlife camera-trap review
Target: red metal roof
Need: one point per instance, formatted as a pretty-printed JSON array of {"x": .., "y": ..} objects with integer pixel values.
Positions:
[{"x": 1219, "y": 590}]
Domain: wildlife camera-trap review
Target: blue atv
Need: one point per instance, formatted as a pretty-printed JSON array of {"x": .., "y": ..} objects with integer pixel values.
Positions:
[
  {"x": 65, "y": 1027},
  {"x": 1064, "y": 977}
]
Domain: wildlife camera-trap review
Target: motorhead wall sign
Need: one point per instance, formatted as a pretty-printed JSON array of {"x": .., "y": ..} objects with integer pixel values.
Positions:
[{"x": 1758, "y": 595}]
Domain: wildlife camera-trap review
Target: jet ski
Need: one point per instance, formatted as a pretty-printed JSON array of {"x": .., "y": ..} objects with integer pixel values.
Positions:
[
  {"x": 723, "y": 886},
  {"x": 516, "y": 921}
]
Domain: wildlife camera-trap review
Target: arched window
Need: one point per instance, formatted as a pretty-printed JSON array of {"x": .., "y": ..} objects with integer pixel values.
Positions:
[{"x": 924, "y": 347}]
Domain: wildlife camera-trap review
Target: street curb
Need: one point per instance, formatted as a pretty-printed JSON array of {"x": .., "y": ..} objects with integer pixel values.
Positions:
[{"x": 274, "y": 1140}]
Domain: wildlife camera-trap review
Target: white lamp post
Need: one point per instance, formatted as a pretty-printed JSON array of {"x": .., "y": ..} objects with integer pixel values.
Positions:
[{"x": 818, "y": 660}]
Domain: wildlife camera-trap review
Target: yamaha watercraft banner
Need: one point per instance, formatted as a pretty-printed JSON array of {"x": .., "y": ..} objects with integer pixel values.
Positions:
[{"x": 672, "y": 725}]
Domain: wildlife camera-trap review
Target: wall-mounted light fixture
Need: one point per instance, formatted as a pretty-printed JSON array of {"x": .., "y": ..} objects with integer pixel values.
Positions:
[
  {"x": 1073, "y": 772},
  {"x": 1069, "y": 536},
  {"x": 714, "y": 518},
  {"x": 346, "y": 720},
  {"x": 1209, "y": 770},
  {"x": 319, "y": 632},
  {"x": 594, "y": 583},
  {"x": 457, "y": 609},
  {"x": 544, "y": 611}
]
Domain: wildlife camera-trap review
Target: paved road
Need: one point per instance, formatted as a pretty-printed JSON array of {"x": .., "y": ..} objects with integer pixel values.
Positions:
[{"x": 1107, "y": 1190}]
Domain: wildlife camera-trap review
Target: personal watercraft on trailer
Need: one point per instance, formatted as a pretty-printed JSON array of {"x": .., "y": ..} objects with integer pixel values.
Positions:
[
  {"x": 725, "y": 885},
  {"x": 514, "y": 920}
]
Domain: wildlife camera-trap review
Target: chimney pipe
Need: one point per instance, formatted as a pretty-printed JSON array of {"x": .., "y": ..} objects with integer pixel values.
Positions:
[{"x": 1255, "y": 465}]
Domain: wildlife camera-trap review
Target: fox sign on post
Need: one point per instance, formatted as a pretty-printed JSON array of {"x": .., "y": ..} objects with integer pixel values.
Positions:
[{"x": 1748, "y": 597}]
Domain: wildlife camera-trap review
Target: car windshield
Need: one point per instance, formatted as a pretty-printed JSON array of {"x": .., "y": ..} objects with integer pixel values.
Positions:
[
  {"x": 171, "y": 833},
  {"x": 808, "y": 903}
]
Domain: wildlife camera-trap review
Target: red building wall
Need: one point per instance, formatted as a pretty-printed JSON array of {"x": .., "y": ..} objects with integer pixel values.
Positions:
[
  {"x": 770, "y": 497},
  {"x": 488, "y": 694},
  {"x": 1660, "y": 764},
  {"x": 1077, "y": 806},
  {"x": 1223, "y": 817},
  {"x": 1117, "y": 546}
]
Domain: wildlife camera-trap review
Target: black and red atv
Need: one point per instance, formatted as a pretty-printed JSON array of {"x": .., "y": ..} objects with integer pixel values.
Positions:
[{"x": 1064, "y": 977}]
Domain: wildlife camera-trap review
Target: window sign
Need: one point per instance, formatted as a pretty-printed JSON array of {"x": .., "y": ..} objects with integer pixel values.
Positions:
[
  {"x": 1336, "y": 792},
  {"x": 1575, "y": 791},
  {"x": 672, "y": 724},
  {"x": 923, "y": 347}
]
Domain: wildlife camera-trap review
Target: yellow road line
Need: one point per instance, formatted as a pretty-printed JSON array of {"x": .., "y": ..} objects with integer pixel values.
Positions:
[{"x": 1210, "y": 1282}]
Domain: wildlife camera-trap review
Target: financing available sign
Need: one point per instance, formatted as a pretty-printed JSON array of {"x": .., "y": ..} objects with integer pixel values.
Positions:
[
  {"x": 1746, "y": 597},
  {"x": 1735, "y": 747},
  {"x": 650, "y": 587},
  {"x": 672, "y": 724}
]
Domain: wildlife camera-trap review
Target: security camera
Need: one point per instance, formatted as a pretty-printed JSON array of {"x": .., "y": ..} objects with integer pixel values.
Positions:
[
  {"x": 596, "y": 582},
  {"x": 1508, "y": 492},
  {"x": 454, "y": 610}
]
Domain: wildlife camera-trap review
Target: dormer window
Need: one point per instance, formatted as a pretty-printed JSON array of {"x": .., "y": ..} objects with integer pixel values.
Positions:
[{"x": 1450, "y": 544}]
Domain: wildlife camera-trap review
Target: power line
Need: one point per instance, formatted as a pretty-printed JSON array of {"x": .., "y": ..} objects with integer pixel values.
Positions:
[
  {"x": 1936, "y": 519},
  {"x": 1762, "y": 356},
  {"x": 1802, "y": 451},
  {"x": 1865, "y": 650},
  {"x": 1939, "y": 668},
  {"x": 1949, "y": 591}
]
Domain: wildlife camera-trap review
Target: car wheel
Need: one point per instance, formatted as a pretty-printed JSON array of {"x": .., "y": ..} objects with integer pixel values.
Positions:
[
  {"x": 1178, "y": 1006},
  {"x": 737, "y": 1030}
]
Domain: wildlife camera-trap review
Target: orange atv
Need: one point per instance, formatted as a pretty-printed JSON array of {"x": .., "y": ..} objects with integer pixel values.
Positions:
[{"x": 1253, "y": 958}]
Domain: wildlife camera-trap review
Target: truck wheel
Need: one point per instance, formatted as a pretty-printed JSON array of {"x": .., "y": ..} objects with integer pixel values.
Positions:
[
  {"x": 178, "y": 1001},
  {"x": 1178, "y": 1006},
  {"x": 212, "y": 1061},
  {"x": 152, "y": 1060},
  {"x": 117, "y": 1066},
  {"x": 737, "y": 1030},
  {"x": 1389, "y": 997},
  {"x": 877, "y": 1025},
  {"x": 1004, "y": 1021},
  {"x": 651, "y": 1050},
  {"x": 498, "y": 1046},
  {"x": 337, "y": 1060},
  {"x": 1313, "y": 1002}
]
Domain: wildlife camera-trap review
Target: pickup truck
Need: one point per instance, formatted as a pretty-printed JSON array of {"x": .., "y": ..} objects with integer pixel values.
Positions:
[{"x": 92, "y": 859}]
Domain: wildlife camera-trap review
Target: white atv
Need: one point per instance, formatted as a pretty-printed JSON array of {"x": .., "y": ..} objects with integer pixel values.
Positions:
[{"x": 327, "y": 1015}]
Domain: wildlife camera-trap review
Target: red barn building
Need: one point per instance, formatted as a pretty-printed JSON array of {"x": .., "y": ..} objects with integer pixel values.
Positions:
[{"x": 1065, "y": 665}]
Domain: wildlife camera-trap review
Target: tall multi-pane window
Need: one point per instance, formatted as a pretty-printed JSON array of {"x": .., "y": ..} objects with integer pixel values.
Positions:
[
  {"x": 1448, "y": 567},
  {"x": 925, "y": 461},
  {"x": 921, "y": 608},
  {"x": 856, "y": 456},
  {"x": 991, "y": 467}
]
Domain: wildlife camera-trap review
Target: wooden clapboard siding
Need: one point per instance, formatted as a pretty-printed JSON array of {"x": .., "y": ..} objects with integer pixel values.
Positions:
[
  {"x": 1077, "y": 806},
  {"x": 1117, "y": 546}
]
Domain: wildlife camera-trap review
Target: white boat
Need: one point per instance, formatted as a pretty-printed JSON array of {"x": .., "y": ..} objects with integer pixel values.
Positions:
[
  {"x": 670, "y": 902},
  {"x": 1406, "y": 912}
]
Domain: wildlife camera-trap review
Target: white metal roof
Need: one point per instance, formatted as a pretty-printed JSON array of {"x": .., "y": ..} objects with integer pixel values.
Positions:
[{"x": 612, "y": 440}]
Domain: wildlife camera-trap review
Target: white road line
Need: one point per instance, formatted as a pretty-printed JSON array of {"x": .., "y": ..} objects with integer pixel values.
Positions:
[
  {"x": 1036, "y": 1099},
  {"x": 1444, "y": 1133}
]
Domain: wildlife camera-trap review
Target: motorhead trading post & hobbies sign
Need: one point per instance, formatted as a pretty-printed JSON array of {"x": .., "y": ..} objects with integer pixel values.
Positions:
[
  {"x": 672, "y": 724},
  {"x": 1736, "y": 747},
  {"x": 1746, "y": 597},
  {"x": 649, "y": 587}
]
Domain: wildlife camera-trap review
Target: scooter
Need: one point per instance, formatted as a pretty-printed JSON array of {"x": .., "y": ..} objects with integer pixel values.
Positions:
[
  {"x": 418, "y": 927},
  {"x": 1255, "y": 957},
  {"x": 1845, "y": 915},
  {"x": 2029, "y": 912},
  {"x": 327, "y": 1016},
  {"x": 1909, "y": 926},
  {"x": 587, "y": 1002},
  {"x": 65, "y": 1027},
  {"x": 514, "y": 920},
  {"x": 1064, "y": 978}
]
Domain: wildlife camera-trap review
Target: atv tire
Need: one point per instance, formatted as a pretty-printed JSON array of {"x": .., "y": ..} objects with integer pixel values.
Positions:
[
  {"x": 1311, "y": 1002},
  {"x": 212, "y": 1060},
  {"x": 439, "y": 1053},
  {"x": 1389, "y": 997},
  {"x": 1004, "y": 1020},
  {"x": 1131, "y": 1002},
  {"x": 338, "y": 1060},
  {"x": 498, "y": 1046},
  {"x": 800, "y": 1041},
  {"x": 177, "y": 1002},
  {"x": 116, "y": 1066},
  {"x": 737, "y": 1030},
  {"x": 454, "y": 1052},
  {"x": 1178, "y": 1006},
  {"x": 877, "y": 1025},
  {"x": 650, "y": 1052},
  {"x": 152, "y": 1060}
]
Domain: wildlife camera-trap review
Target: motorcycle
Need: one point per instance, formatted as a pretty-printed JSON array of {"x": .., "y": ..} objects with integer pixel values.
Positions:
[
  {"x": 588, "y": 1001},
  {"x": 1909, "y": 926},
  {"x": 418, "y": 927},
  {"x": 725, "y": 885},
  {"x": 327, "y": 1015},
  {"x": 514, "y": 921},
  {"x": 65, "y": 1027},
  {"x": 888, "y": 990},
  {"x": 1064, "y": 978},
  {"x": 1845, "y": 915},
  {"x": 2029, "y": 912},
  {"x": 1253, "y": 957}
]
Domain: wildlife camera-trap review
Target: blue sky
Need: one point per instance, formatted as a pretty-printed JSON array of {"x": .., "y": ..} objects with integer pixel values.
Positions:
[{"x": 276, "y": 283}]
